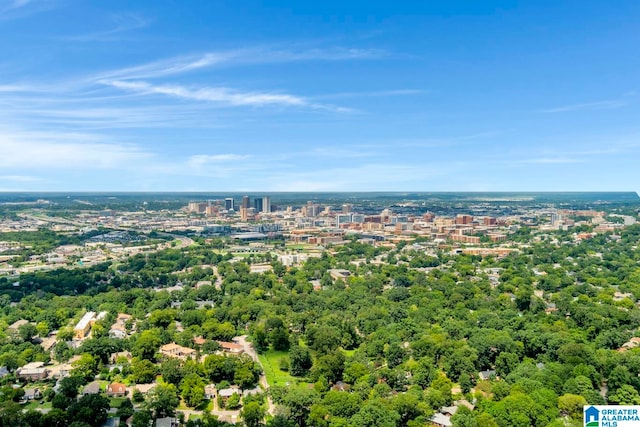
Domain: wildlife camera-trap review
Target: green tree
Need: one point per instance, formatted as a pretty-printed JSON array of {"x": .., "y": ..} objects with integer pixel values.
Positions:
[
  {"x": 300, "y": 361},
  {"x": 299, "y": 402},
  {"x": 625, "y": 395},
  {"x": 571, "y": 405},
  {"x": 252, "y": 414},
  {"x": 27, "y": 331},
  {"x": 143, "y": 371},
  {"x": 505, "y": 363},
  {"x": 374, "y": 414},
  {"x": 85, "y": 367},
  {"x": 192, "y": 390},
  {"x": 125, "y": 410},
  {"x": 146, "y": 345},
  {"x": 142, "y": 419},
  {"x": 91, "y": 409},
  {"x": 171, "y": 371},
  {"x": 163, "y": 400}
]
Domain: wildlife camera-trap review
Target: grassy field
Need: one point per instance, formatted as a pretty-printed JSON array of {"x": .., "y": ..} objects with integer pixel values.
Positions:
[
  {"x": 270, "y": 362},
  {"x": 35, "y": 404}
]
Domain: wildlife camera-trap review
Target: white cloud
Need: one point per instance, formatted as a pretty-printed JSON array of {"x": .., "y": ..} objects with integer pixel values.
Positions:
[
  {"x": 559, "y": 160},
  {"x": 600, "y": 105},
  {"x": 220, "y": 95},
  {"x": 18, "y": 178},
  {"x": 123, "y": 22},
  {"x": 28, "y": 150},
  {"x": 243, "y": 56},
  {"x": 379, "y": 93},
  {"x": 13, "y": 88},
  {"x": 204, "y": 159},
  {"x": 15, "y": 9}
]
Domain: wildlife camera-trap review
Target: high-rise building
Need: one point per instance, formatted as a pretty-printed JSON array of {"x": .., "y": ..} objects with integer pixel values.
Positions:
[
  {"x": 246, "y": 201},
  {"x": 258, "y": 204},
  {"x": 312, "y": 209},
  {"x": 228, "y": 204},
  {"x": 266, "y": 204}
]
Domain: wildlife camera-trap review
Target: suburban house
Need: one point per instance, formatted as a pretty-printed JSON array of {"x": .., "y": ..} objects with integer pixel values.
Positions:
[
  {"x": 210, "y": 391},
  {"x": 226, "y": 393},
  {"x": 116, "y": 390},
  {"x": 167, "y": 422},
  {"x": 31, "y": 394},
  {"x": 142, "y": 388},
  {"x": 440, "y": 420},
  {"x": 33, "y": 371},
  {"x": 486, "y": 375},
  {"x": 231, "y": 347},
  {"x": 113, "y": 358},
  {"x": 177, "y": 351},
  {"x": 118, "y": 331},
  {"x": 13, "y": 328},
  {"x": 91, "y": 388}
]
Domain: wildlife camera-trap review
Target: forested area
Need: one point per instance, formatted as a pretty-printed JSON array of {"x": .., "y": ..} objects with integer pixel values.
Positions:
[{"x": 404, "y": 336}]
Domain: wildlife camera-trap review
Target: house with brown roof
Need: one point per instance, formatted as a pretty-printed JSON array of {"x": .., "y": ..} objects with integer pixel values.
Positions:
[
  {"x": 231, "y": 347},
  {"x": 116, "y": 390},
  {"x": 177, "y": 351}
]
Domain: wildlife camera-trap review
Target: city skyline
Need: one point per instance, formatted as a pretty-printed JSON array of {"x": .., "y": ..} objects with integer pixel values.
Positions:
[{"x": 441, "y": 96}]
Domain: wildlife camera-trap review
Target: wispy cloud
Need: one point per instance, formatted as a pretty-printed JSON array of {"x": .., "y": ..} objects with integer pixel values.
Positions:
[
  {"x": 13, "y": 88},
  {"x": 547, "y": 161},
  {"x": 15, "y": 9},
  {"x": 123, "y": 22},
  {"x": 221, "y": 95},
  {"x": 10, "y": 5},
  {"x": 19, "y": 178},
  {"x": 208, "y": 159},
  {"x": 599, "y": 105},
  {"x": 379, "y": 93},
  {"x": 243, "y": 56},
  {"x": 26, "y": 150}
]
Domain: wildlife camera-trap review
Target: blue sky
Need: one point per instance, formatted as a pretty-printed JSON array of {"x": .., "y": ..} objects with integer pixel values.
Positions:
[{"x": 324, "y": 95}]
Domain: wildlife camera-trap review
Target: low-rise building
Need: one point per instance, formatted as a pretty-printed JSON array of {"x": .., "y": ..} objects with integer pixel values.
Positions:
[
  {"x": 177, "y": 351},
  {"x": 91, "y": 388},
  {"x": 116, "y": 390},
  {"x": 32, "y": 393},
  {"x": 34, "y": 371},
  {"x": 231, "y": 347}
]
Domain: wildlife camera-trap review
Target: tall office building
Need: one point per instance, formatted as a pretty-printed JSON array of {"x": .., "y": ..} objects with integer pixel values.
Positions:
[
  {"x": 257, "y": 204},
  {"x": 246, "y": 201},
  {"x": 266, "y": 204},
  {"x": 228, "y": 204}
]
